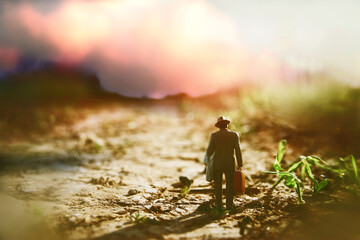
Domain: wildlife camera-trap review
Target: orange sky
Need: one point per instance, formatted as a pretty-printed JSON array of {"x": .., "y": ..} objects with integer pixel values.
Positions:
[{"x": 145, "y": 47}]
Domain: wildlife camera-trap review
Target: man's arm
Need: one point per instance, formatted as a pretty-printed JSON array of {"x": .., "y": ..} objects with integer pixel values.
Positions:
[
  {"x": 211, "y": 147},
  {"x": 238, "y": 151}
]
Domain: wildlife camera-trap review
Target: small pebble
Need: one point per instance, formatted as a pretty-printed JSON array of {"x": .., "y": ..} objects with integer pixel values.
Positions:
[{"x": 133, "y": 191}]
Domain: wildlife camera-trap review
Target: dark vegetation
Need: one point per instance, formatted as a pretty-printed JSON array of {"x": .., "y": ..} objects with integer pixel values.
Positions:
[
  {"x": 315, "y": 114},
  {"x": 34, "y": 102},
  {"x": 344, "y": 172},
  {"x": 318, "y": 114}
]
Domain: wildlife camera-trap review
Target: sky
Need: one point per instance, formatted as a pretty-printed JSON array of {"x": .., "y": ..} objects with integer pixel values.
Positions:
[{"x": 159, "y": 47}]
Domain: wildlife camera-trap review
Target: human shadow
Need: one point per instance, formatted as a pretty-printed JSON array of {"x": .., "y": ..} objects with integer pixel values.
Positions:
[{"x": 183, "y": 224}]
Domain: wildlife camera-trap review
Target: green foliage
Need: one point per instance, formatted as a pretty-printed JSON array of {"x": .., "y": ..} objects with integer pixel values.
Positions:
[
  {"x": 25, "y": 120},
  {"x": 347, "y": 170},
  {"x": 291, "y": 181},
  {"x": 280, "y": 155},
  {"x": 289, "y": 177},
  {"x": 305, "y": 103},
  {"x": 138, "y": 218},
  {"x": 97, "y": 147},
  {"x": 319, "y": 106},
  {"x": 185, "y": 190},
  {"x": 218, "y": 213},
  {"x": 351, "y": 171},
  {"x": 348, "y": 173}
]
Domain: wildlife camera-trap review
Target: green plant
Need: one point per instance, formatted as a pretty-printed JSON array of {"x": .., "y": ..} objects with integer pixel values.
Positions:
[
  {"x": 347, "y": 170},
  {"x": 97, "y": 147},
  {"x": 185, "y": 190},
  {"x": 349, "y": 175},
  {"x": 290, "y": 178},
  {"x": 218, "y": 213},
  {"x": 137, "y": 217},
  {"x": 306, "y": 162}
]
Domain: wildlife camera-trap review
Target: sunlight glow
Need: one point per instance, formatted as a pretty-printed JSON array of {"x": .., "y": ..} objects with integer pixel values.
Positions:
[{"x": 185, "y": 46}]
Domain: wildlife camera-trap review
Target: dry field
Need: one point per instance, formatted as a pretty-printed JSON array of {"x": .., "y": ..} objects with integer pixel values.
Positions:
[{"x": 114, "y": 174}]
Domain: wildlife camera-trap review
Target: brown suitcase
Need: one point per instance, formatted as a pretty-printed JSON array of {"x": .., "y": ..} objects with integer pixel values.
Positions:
[{"x": 239, "y": 182}]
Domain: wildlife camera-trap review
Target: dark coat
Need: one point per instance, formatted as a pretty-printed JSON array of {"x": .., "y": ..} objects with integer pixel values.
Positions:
[{"x": 224, "y": 143}]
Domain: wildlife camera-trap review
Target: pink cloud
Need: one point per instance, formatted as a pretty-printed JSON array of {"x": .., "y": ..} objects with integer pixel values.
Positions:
[
  {"x": 9, "y": 57},
  {"x": 187, "y": 46}
]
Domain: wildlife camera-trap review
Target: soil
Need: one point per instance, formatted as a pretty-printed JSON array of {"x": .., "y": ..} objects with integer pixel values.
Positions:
[{"x": 115, "y": 175}]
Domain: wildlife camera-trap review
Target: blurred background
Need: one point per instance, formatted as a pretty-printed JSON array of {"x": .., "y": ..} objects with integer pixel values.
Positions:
[
  {"x": 80, "y": 81},
  {"x": 296, "y": 63}
]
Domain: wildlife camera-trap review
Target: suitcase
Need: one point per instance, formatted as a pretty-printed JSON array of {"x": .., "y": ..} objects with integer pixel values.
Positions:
[{"x": 239, "y": 182}]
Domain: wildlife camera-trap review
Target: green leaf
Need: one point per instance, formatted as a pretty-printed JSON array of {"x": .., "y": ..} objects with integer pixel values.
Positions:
[
  {"x": 309, "y": 172},
  {"x": 277, "y": 166},
  {"x": 355, "y": 168},
  {"x": 279, "y": 155},
  {"x": 294, "y": 166},
  {"x": 271, "y": 172},
  {"x": 276, "y": 172},
  {"x": 341, "y": 176},
  {"x": 296, "y": 179},
  {"x": 322, "y": 184},
  {"x": 311, "y": 176},
  {"x": 319, "y": 163},
  {"x": 315, "y": 159},
  {"x": 349, "y": 171},
  {"x": 303, "y": 172},
  {"x": 299, "y": 192},
  {"x": 291, "y": 175},
  {"x": 281, "y": 150},
  {"x": 185, "y": 190},
  {"x": 290, "y": 182},
  {"x": 282, "y": 177}
]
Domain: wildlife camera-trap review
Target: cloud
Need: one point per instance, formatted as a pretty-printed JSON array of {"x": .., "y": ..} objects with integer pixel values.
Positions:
[
  {"x": 8, "y": 57},
  {"x": 139, "y": 47}
]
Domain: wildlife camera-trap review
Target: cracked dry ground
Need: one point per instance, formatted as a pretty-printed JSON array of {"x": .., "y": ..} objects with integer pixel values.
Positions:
[{"x": 114, "y": 175}]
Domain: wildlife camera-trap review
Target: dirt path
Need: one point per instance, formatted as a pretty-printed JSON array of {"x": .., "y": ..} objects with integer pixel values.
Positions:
[{"x": 111, "y": 175}]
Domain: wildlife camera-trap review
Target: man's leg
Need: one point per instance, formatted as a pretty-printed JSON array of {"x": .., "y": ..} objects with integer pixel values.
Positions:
[
  {"x": 229, "y": 175},
  {"x": 218, "y": 188}
]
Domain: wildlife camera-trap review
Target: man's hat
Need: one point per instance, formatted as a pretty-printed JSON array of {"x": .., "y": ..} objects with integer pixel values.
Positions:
[{"x": 220, "y": 120}]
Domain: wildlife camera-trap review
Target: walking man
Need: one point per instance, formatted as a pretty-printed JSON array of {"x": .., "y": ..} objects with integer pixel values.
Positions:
[{"x": 223, "y": 144}]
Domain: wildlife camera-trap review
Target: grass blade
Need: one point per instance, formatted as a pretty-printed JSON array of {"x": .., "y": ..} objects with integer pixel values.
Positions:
[
  {"x": 303, "y": 172},
  {"x": 294, "y": 166},
  {"x": 349, "y": 171},
  {"x": 354, "y": 165},
  {"x": 271, "y": 172},
  {"x": 319, "y": 162},
  {"x": 277, "y": 166},
  {"x": 281, "y": 150},
  {"x": 316, "y": 159},
  {"x": 311, "y": 176},
  {"x": 309, "y": 172},
  {"x": 283, "y": 175},
  {"x": 341, "y": 174},
  {"x": 322, "y": 184},
  {"x": 290, "y": 182},
  {"x": 278, "y": 181},
  {"x": 279, "y": 155},
  {"x": 299, "y": 192}
]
